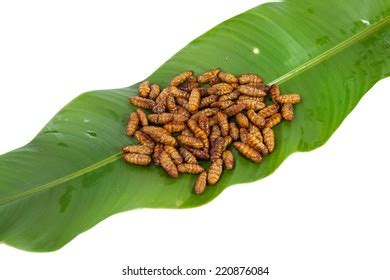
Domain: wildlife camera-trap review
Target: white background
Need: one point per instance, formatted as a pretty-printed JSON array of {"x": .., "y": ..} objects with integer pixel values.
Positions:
[{"x": 321, "y": 215}]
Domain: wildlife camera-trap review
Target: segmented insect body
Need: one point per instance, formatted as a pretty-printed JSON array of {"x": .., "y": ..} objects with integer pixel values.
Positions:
[
  {"x": 293, "y": 98},
  {"x": 181, "y": 115},
  {"x": 158, "y": 148},
  {"x": 220, "y": 89},
  {"x": 190, "y": 141},
  {"x": 217, "y": 148},
  {"x": 173, "y": 127},
  {"x": 137, "y": 149},
  {"x": 137, "y": 159},
  {"x": 255, "y": 143},
  {"x": 274, "y": 91},
  {"x": 199, "y": 133},
  {"x": 204, "y": 124},
  {"x": 158, "y": 108},
  {"x": 215, "y": 133},
  {"x": 154, "y": 91},
  {"x": 222, "y": 104},
  {"x": 188, "y": 156},
  {"x": 143, "y": 119},
  {"x": 255, "y": 119},
  {"x": 160, "y": 135},
  {"x": 234, "y": 109},
  {"x": 174, "y": 154},
  {"x": 250, "y": 78},
  {"x": 144, "y": 139},
  {"x": 144, "y": 89},
  {"x": 187, "y": 132},
  {"x": 251, "y": 91},
  {"x": 181, "y": 78},
  {"x": 206, "y": 101},
  {"x": 170, "y": 103},
  {"x": 161, "y": 98},
  {"x": 215, "y": 171},
  {"x": 223, "y": 123},
  {"x": 194, "y": 100},
  {"x": 227, "y": 77},
  {"x": 233, "y": 131},
  {"x": 248, "y": 152},
  {"x": 242, "y": 120},
  {"x": 230, "y": 96},
  {"x": 228, "y": 140},
  {"x": 269, "y": 111},
  {"x": 254, "y": 130},
  {"x": 213, "y": 120},
  {"x": 142, "y": 102},
  {"x": 168, "y": 165},
  {"x": 190, "y": 84},
  {"x": 228, "y": 159},
  {"x": 273, "y": 120},
  {"x": 190, "y": 168},
  {"x": 269, "y": 138},
  {"x": 251, "y": 104},
  {"x": 208, "y": 76},
  {"x": 177, "y": 93},
  {"x": 287, "y": 111},
  {"x": 132, "y": 124},
  {"x": 208, "y": 112},
  {"x": 200, "y": 184},
  {"x": 182, "y": 102},
  {"x": 200, "y": 154},
  {"x": 162, "y": 118}
]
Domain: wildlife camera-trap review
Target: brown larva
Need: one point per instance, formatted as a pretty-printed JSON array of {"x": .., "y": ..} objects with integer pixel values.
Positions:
[
  {"x": 215, "y": 171},
  {"x": 132, "y": 124},
  {"x": 137, "y": 159},
  {"x": 144, "y": 89},
  {"x": 182, "y": 77}
]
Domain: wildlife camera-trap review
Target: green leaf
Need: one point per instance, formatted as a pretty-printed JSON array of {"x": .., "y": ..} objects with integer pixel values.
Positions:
[{"x": 71, "y": 175}]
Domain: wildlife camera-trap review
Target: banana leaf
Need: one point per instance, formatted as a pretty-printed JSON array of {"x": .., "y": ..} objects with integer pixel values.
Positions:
[{"x": 71, "y": 175}]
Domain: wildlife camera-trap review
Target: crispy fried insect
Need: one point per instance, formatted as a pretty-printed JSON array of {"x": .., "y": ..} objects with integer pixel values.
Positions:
[
  {"x": 242, "y": 120},
  {"x": 144, "y": 139},
  {"x": 187, "y": 132},
  {"x": 223, "y": 123},
  {"x": 160, "y": 135},
  {"x": 273, "y": 120},
  {"x": 251, "y": 91},
  {"x": 206, "y": 101},
  {"x": 222, "y": 104},
  {"x": 158, "y": 108},
  {"x": 274, "y": 91},
  {"x": 269, "y": 138},
  {"x": 177, "y": 93},
  {"x": 154, "y": 91},
  {"x": 182, "y": 77},
  {"x": 293, "y": 98},
  {"x": 215, "y": 133},
  {"x": 190, "y": 168},
  {"x": 227, "y": 77},
  {"x": 220, "y": 89},
  {"x": 234, "y": 110},
  {"x": 255, "y": 143},
  {"x": 250, "y": 78},
  {"x": 144, "y": 89},
  {"x": 143, "y": 119},
  {"x": 190, "y": 84},
  {"x": 168, "y": 165},
  {"x": 138, "y": 159},
  {"x": 215, "y": 171},
  {"x": 199, "y": 133},
  {"x": 208, "y": 112},
  {"x": 248, "y": 152},
  {"x": 228, "y": 139},
  {"x": 188, "y": 156},
  {"x": 213, "y": 120},
  {"x": 182, "y": 102},
  {"x": 230, "y": 96},
  {"x": 194, "y": 100},
  {"x": 251, "y": 104},
  {"x": 254, "y": 130},
  {"x": 137, "y": 149},
  {"x": 174, "y": 154},
  {"x": 181, "y": 115},
  {"x": 217, "y": 148},
  {"x": 208, "y": 76},
  {"x": 200, "y": 154},
  {"x": 255, "y": 119},
  {"x": 170, "y": 103},
  {"x": 158, "y": 148},
  {"x": 190, "y": 141},
  {"x": 269, "y": 111},
  {"x": 173, "y": 127},
  {"x": 204, "y": 124},
  {"x": 200, "y": 184},
  {"x": 162, "y": 118},
  {"x": 233, "y": 131},
  {"x": 142, "y": 102},
  {"x": 235, "y": 85},
  {"x": 132, "y": 124},
  {"x": 161, "y": 98},
  {"x": 287, "y": 111},
  {"x": 228, "y": 159}
]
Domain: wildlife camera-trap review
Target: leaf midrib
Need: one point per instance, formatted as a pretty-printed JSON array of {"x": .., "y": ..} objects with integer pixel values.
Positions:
[{"x": 292, "y": 73}]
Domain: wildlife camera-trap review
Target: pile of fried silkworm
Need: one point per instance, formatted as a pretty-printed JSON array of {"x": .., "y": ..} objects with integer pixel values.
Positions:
[{"x": 197, "y": 118}]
